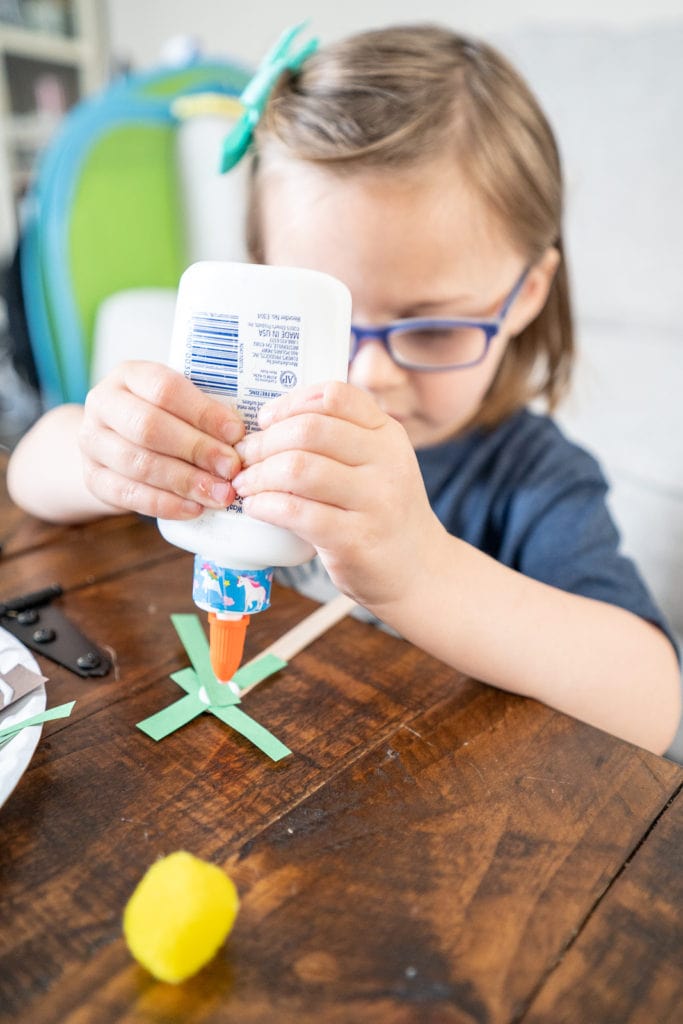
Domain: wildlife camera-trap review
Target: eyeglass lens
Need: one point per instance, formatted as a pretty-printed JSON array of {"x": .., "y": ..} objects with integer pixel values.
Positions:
[{"x": 438, "y": 346}]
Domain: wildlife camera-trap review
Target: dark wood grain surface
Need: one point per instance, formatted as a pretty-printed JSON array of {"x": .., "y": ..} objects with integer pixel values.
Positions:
[{"x": 432, "y": 851}]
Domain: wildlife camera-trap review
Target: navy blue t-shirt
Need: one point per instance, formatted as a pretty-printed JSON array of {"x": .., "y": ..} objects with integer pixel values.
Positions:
[{"x": 528, "y": 497}]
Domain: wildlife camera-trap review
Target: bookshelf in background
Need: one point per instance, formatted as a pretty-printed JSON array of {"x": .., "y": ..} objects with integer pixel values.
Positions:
[{"x": 52, "y": 52}]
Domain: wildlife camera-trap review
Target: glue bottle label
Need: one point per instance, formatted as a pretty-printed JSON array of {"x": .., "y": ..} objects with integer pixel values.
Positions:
[{"x": 247, "y": 359}]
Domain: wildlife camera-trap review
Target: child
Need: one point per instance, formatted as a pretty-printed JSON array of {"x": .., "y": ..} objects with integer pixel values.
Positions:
[{"x": 414, "y": 165}]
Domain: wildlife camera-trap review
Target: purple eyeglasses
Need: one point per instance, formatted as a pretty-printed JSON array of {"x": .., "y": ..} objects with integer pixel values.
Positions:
[{"x": 434, "y": 344}]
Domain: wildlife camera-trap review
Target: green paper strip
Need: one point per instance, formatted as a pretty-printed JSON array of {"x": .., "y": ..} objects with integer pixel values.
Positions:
[
  {"x": 251, "y": 730},
  {"x": 258, "y": 670},
  {"x": 166, "y": 721},
  {"x": 187, "y": 678},
  {"x": 169, "y": 719},
  {"x": 193, "y": 638},
  {"x": 61, "y": 711}
]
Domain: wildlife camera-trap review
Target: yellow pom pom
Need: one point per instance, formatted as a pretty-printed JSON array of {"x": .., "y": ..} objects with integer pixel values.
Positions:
[{"x": 179, "y": 915}]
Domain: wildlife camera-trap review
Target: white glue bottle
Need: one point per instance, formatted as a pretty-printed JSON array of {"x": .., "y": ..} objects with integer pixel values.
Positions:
[{"x": 246, "y": 333}]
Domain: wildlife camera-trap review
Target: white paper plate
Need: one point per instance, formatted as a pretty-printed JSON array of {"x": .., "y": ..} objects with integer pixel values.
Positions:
[{"x": 15, "y": 755}]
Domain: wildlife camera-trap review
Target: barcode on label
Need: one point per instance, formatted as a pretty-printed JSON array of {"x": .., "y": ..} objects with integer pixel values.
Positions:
[{"x": 213, "y": 352}]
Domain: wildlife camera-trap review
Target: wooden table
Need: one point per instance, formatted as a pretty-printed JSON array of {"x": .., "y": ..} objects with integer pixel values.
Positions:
[{"x": 432, "y": 851}]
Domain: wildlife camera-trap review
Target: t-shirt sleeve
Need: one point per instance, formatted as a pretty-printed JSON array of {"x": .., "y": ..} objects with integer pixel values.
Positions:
[{"x": 566, "y": 537}]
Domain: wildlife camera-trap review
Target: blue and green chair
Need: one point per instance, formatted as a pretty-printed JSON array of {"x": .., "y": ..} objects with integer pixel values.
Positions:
[{"x": 104, "y": 214}]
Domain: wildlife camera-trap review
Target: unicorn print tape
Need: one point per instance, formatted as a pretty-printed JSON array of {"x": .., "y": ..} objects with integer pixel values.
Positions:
[{"x": 243, "y": 591}]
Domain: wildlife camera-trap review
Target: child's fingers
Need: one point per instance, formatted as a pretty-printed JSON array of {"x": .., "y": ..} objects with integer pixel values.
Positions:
[
  {"x": 321, "y": 525},
  {"x": 306, "y": 475},
  {"x": 342, "y": 401},
  {"x": 159, "y": 471},
  {"x": 169, "y": 390},
  {"x": 148, "y": 427},
  {"x": 345, "y": 442},
  {"x": 135, "y": 496}
]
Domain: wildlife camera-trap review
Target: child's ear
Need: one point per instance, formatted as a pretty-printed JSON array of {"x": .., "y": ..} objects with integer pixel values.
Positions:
[{"x": 534, "y": 293}]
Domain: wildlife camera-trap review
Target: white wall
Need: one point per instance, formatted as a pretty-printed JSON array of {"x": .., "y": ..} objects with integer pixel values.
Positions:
[{"x": 140, "y": 28}]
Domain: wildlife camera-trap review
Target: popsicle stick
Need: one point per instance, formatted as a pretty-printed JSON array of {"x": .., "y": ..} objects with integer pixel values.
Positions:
[{"x": 305, "y": 632}]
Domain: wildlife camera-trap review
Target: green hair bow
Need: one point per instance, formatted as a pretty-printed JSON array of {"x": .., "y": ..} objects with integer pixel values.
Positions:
[{"x": 255, "y": 95}]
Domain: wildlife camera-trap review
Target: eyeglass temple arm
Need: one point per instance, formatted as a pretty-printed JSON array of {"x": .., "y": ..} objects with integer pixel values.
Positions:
[{"x": 517, "y": 287}]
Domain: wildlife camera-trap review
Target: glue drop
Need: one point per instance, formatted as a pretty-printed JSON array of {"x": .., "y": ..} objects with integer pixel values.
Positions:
[{"x": 246, "y": 333}]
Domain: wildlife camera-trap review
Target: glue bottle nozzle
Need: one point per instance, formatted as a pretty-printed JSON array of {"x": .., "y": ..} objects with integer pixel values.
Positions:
[{"x": 226, "y": 644}]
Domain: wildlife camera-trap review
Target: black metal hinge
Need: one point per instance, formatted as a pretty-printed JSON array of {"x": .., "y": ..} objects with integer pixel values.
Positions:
[{"x": 47, "y": 631}]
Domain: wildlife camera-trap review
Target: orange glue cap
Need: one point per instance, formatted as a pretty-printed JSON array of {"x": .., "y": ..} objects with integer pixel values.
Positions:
[{"x": 226, "y": 644}]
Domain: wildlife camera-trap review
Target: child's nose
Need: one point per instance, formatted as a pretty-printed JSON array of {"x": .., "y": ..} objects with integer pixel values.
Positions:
[{"x": 373, "y": 368}]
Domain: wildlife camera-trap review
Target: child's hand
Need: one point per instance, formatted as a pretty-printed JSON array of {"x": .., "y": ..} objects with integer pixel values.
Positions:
[
  {"x": 331, "y": 466},
  {"x": 154, "y": 443}
]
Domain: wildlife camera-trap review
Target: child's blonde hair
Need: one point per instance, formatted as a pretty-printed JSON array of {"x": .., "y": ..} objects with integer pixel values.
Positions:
[{"x": 398, "y": 97}]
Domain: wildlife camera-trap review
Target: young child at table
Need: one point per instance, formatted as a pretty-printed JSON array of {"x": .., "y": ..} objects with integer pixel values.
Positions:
[{"x": 413, "y": 164}]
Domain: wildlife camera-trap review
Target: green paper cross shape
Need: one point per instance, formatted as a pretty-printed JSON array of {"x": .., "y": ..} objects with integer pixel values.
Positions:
[
  {"x": 205, "y": 693},
  {"x": 10, "y": 731}
]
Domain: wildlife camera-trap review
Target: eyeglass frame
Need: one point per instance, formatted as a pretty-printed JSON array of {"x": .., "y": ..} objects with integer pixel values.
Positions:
[{"x": 489, "y": 325}]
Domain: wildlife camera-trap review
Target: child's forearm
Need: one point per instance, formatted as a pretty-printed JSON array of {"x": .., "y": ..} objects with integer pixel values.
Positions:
[
  {"x": 589, "y": 659},
  {"x": 45, "y": 474}
]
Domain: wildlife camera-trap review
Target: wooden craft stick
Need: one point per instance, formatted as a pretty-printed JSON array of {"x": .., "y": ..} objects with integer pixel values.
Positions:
[{"x": 306, "y": 631}]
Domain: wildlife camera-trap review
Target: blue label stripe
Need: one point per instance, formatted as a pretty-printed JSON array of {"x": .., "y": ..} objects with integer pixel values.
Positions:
[{"x": 213, "y": 352}]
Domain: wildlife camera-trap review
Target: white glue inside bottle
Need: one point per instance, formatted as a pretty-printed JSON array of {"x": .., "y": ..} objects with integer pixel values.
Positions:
[{"x": 246, "y": 333}]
